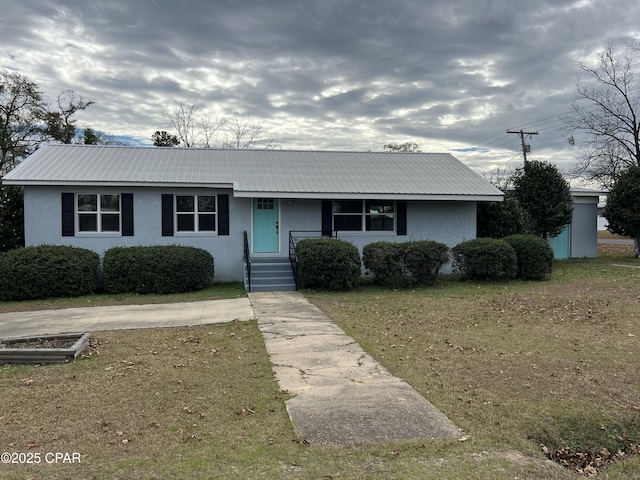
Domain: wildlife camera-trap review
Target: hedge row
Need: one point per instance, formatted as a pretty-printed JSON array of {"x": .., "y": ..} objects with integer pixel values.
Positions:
[
  {"x": 61, "y": 271},
  {"x": 328, "y": 264},
  {"x": 331, "y": 264},
  {"x": 528, "y": 257}
]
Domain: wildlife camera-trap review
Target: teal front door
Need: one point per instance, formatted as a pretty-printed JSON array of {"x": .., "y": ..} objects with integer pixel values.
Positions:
[{"x": 266, "y": 230}]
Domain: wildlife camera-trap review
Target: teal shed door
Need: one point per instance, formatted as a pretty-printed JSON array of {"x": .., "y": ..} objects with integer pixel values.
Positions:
[
  {"x": 266, "y": 235},
  {"x": 562, "y": 244}
]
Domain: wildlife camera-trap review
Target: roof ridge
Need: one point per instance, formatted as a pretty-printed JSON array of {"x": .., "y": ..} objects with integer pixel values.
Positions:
[{"x": 182, "y": 149}]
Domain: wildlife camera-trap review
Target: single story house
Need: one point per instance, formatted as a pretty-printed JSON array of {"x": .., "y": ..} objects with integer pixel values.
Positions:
[{"x": 232, "y": 202}]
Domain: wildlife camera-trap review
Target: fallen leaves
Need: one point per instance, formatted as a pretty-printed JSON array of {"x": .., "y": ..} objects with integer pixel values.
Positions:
[
  {"x": 588, "y": 463},
  {"x": 122, "y": 436}
]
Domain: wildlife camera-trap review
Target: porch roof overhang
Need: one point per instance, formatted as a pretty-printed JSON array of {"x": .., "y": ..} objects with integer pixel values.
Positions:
[{"x": 368, "y": 196}]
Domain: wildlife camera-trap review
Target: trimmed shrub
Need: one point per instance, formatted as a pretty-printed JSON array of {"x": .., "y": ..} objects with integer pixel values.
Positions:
[
  {"x": 48, "y": 271},
  {"x": 328, "y": 264},
  {"x": 405, "y": 264},
  {"x": 535, "y": 256},
  {"x": 485, "y": 259},
  {"x": 424, "y": 259},
  {"x": 385, "y": 262},
  {"x": 157, "y": 269}
]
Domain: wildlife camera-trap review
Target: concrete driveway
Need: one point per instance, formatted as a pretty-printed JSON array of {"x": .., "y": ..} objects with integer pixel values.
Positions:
[{"x": 91, "y": 319}]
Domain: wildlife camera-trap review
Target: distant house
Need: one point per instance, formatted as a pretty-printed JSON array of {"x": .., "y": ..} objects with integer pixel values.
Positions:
[{"x": 98, "y": 197}]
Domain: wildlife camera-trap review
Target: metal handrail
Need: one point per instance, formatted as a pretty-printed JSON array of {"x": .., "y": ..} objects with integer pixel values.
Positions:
[
  {"x": 247, "y": 260},
  {"x": 293, "y": 258}
]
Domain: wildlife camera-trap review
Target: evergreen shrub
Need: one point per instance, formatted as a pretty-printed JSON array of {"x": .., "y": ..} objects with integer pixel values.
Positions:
[
  {"x": 328, "y": 264},
  {"x": 485, "y": 259},
  {"x": 48, "y": 271},
  {"x": 535, "y": 256},
  {"x": 157, "y": 269},
  {"x": 405, "y": 264}
]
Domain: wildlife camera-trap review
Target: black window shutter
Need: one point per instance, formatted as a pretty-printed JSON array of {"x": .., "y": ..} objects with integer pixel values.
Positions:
[
  {"x": 327, "y": 218},
  {"x": 68, "y": 215},
  {"x": 167, "y": 215},
  {"x": 401, "y": 218},
  {"x": 127, "y": 214},
  {"x": 223, "y": 214}
]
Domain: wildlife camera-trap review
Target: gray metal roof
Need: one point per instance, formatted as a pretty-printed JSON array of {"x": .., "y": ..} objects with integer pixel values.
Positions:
[{"x": 266, "y": 173}]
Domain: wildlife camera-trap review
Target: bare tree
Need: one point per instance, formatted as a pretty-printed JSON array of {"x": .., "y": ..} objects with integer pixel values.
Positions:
[
  {"x": 183, "y": 119},
  {"x": 607, "y": 111},
  {"x": 195, "y": 130},
  {"x": 209, "y": 127},
  {"x": 244, "y": 132}
]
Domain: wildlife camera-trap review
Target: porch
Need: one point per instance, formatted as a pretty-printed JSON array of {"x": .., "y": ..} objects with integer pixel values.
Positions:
[{"x": 273, "y": 273}]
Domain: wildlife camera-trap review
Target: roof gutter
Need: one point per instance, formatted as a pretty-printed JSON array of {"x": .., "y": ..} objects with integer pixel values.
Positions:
[{"x": 372, "y": 196}]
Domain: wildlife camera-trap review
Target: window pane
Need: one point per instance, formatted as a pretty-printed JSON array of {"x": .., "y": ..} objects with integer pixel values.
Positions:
[
  {"x": 88, "y": 223},
  {"x": 110, "y": 203},
  {"x": 206, "y": 204},
  {"x": 347, "y": 222},
  {"x": 377, "y": 206},
  {"x": 207, "y": 223},
  {"x": 186, "y": 223},
  {"x": 350, "y": 206},
  {"x": 111, "y": 222},
  {"x": 379, "y": 223},
  {"x": 265, "y": 203},
  {"x": 184, "y": 203},
  {"x": 87, "y": 203}
]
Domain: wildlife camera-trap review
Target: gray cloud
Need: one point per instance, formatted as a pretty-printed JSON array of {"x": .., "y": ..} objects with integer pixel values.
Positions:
[{"x": 336, "y": 74}]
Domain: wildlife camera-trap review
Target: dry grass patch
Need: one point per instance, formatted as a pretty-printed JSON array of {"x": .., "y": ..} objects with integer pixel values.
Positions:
[
  {"x": 504, "y": 361},
  {"x": 155, "y": 403},
  {"x": 607, "y": 235},
  {"x": 200, "y": 402}
]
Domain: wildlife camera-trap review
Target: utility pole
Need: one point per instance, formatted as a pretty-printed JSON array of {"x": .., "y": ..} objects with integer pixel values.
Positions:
[{"x": 525, "y": 148}]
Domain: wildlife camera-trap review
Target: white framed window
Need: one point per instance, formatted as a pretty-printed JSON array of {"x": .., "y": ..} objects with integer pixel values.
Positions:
[
  {"x": 98, "y": 213},
  {"x": 364, "y": 215},
  {"x": 195, "y": 213}
]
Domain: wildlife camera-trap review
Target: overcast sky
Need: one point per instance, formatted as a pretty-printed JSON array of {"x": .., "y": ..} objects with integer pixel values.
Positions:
[{"x": 451, "y": 76}]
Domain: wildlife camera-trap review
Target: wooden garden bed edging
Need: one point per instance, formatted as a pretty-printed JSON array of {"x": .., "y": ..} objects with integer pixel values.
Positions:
[{"x": 17, "y": 354}]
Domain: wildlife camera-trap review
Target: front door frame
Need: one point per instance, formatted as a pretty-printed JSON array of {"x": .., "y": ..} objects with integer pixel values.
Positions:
[{"x": 265, "y": 235}]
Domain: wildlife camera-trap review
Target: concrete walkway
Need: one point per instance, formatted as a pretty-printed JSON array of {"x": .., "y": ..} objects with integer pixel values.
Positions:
[
  {"x": 342, "y": 395},
  {"x": 91, "y": 319}
]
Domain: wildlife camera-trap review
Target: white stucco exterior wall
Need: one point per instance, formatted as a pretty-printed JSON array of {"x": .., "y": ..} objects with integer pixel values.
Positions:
[
  {"x": 43, "y": 225},
  {"x": 448, "y": 222}
]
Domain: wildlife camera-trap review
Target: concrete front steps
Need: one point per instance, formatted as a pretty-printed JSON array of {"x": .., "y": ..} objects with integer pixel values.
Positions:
[{"x": 271, "y": 275}]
